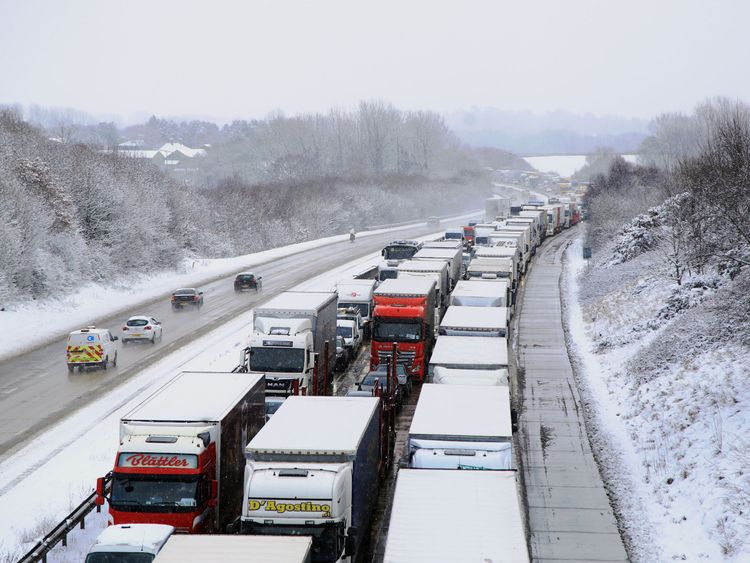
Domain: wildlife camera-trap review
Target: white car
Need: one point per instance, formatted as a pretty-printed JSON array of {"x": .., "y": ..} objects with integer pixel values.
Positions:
[{"x": 141, "y": 327}]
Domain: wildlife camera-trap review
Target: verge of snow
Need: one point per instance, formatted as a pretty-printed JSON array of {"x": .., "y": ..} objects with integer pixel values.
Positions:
[{"x": 50, "y": 318}]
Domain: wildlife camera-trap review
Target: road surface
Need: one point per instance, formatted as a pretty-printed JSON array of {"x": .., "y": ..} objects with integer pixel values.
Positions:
[{"x": 36, "y": 389}]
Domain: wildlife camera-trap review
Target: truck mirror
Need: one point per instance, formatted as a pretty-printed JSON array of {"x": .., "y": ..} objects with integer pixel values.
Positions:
[{"x": 99, "y": 491}]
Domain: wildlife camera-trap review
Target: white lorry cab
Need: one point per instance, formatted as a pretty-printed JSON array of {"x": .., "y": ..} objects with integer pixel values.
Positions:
[
  {"x": 129, "y": 543},
  {"x": 455, "y": 376},
  {"x": 461, "y": 427},
  {"x": 91, "y": 347},
  {"x": 469, "y": 352},
  {"x": 475, "y": 321},
  {"x": 358, "y": 294}
]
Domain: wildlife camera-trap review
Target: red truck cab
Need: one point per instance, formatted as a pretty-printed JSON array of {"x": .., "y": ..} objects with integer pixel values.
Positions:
[
  {"x": 469, "y": 235},
  {"x": 405, "y": 314}
]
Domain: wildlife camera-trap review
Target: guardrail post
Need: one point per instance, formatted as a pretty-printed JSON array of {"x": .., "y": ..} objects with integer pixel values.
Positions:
[{"x": 64, "y": 542}]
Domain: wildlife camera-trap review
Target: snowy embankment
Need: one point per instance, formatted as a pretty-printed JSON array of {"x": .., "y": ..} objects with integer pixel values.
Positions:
[
  {"x": 42, "y": 482},
  {"x": 50, "y": 318},
  {"x": 663, "y": 370}
]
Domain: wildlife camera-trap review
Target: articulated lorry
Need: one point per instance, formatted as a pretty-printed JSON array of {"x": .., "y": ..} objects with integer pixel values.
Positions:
[
  {"x": 180, "y": 458},
  {"x": 461, "y": 427},
  {"x": 235, "y": 549},
  {"x": 291, "y": 333},
  {"x": 425, "y": 525},
  {"x": 434, "y": 269},
  {"x": 313, "y": 470},
  {"x": 404, "y": 314}
]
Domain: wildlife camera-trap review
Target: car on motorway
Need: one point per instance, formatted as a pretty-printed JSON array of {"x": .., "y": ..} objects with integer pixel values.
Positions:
[
  {"x": 91, "y": 347},
  {"x": 248, "y": 280},
  {"x": 187, "y": 297},
  {"x": 143, "y": 328},
  {"x": 379, "y": 374}
]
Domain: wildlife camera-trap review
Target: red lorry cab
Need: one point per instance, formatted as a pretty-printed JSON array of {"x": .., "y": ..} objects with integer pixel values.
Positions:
[
  {"x": 405, "y": 314},
  {"x": 469, "y": 235}
]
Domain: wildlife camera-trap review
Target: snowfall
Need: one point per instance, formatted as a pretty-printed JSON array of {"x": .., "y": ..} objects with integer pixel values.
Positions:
[
  {"x": 41, "y": 483},
  {"x": 664, "y": 383}
]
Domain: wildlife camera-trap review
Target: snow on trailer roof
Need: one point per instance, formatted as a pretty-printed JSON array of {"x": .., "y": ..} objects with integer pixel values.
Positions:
[
  {"x": 481, "y": 288},
  {"x": 437, "y": 252},
  {"x": 443, "y": 244},
  {"x": 360, "y": 289},
  {"x": 429, "y": 519},
  {"x": 469, "y": 351},
  {"x": 148, "y": 537},
  {"x": 194, "y": 396},
  {"x": 405, "y": 286},
  {"x": 462, "y": 410},
  {"x": 436, "y": 265},
  {"x": 203, "y": 548},
  {"x": 459, "y": 316},
  {"x": 332, "y": 425},
  {"x": 302, "y": 300},
  {"x": 454, "y": 376}
]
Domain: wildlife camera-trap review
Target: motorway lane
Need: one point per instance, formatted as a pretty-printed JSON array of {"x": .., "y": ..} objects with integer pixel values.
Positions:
[{"x": 37, "y": 390}]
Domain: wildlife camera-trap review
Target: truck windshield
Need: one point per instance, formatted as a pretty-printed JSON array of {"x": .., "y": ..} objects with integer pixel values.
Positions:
[
  {"x": 118, "y": 557},
  {"x": 454, "y": 236},
  {"x": 399, "y": 252},
  {"x": 327, "y": 539},
  {"x": 364, "y": 308},
  {"x": 154, "y": 493},
  {"x": 345, "y": 331},
  {"x": 268, "y": 359},
  {"x": 398, "y": 331}
]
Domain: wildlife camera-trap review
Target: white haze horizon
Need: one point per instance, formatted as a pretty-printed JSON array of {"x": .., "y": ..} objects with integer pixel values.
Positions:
[{"x": 246, "y": 59}]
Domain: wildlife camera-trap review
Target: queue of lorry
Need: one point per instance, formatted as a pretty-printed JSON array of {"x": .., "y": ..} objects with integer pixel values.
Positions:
[{"x": 204, "y": 455}]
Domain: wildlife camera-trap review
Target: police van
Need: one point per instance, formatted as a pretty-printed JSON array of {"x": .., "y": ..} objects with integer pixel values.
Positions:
[{"x": 91, "y": 346}]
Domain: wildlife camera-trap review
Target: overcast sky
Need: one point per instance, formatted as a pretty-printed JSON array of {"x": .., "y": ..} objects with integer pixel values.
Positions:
[{"x": 244, "y": 59}]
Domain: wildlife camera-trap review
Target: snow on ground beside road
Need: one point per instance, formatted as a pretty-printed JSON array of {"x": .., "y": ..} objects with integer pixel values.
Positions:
[
  {"x": 45, "y": 480},
  {"x": 670, "y": 419},
  {"x": 51, "y": 318}
]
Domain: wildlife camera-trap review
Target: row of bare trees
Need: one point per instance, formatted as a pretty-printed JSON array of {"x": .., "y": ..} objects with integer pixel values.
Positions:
[{"x": 698, "y": 165}]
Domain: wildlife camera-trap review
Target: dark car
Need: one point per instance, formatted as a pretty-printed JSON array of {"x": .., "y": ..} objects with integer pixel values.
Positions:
[
  {"x": 379, "y": 374},
  {"x": 248, "y": 280},
  {"x": 187, "y": 297}
]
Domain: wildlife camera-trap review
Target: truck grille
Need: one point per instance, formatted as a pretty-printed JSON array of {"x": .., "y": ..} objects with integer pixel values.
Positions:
[{"x": 402, "y": 357}]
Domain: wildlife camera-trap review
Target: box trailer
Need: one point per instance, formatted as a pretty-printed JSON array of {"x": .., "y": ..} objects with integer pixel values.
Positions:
[
  {"x": 426, "y": 526},
  {"x": 451, "y": 255},
  {"x": 453, "y": 376},
  {"x": 468, "y": 352},
  {"x": 313, "y": 471},
  {"x": 236, "y": 549},
  {"x": 474, "y": 321},
  {"x": 461, "y": 427},
  {"x": 483, "y": 293}
]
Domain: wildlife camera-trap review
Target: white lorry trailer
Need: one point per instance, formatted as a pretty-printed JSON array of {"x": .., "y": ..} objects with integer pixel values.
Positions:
[
  {"x": 289, "y": 331},
  {"x": 488, "y": 528},
  {"x": 461, "y": 427},
  {"x": 453, "y": 376},
  {"x": 358, "y": 294},
  {"x": 450, "y": 243},
  {"x": 236, "y": 549},
  {"x": 512, "y": 253},
  {"x": 493, "y": 268},
  {"x": 527, "y": 247},
  {"x": 313, "y": 471},
  {"x": 179, "y": 461},
  {"x": 475, "y": 321},
  {"x": 453, "y": 256},
  {"x": 483, "y": 293},
  {"x": 469, "y": 352},
  {"x": 436, "y": 269},
  {"x": 129, "y": 542}
]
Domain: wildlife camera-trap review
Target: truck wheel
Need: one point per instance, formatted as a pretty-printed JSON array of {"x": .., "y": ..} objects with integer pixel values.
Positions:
[
  {"x": 71, "y": 368},
  {"x": 105, "y": 362}
]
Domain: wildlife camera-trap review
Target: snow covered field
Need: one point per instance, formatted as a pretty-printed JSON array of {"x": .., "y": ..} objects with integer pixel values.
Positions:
[
  {"x": 41, "y": 483},
  {"x": 667, "y": 394}
]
